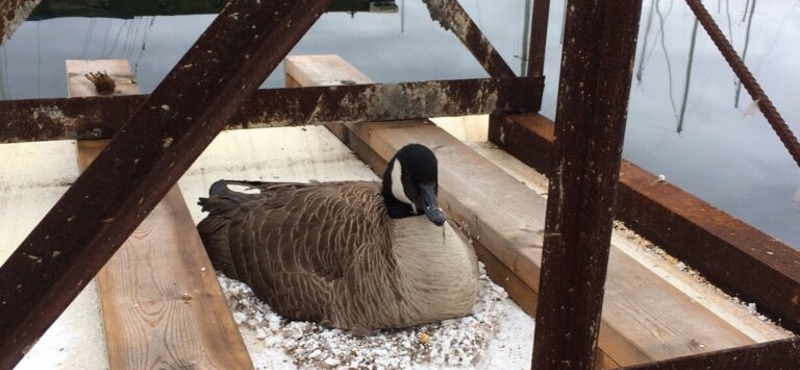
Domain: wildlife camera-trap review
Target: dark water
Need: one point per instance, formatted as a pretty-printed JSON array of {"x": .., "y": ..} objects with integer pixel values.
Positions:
[{"x": 727, "y": 155}]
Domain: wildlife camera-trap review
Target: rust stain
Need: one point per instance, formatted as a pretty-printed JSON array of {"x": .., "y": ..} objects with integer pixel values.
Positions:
[
  {"x": 12, "y": 14},
  {"x": 101, "y": 117},
  {"x": 452, "y": 17}
]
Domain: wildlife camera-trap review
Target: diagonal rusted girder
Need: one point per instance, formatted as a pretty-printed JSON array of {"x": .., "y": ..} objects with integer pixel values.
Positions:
[
  {"x": 12, "y": 14},
  {"x": 101, "y": 117},
  {"x": 453, "y": 17},
  {"x": 144, "y": 160}
]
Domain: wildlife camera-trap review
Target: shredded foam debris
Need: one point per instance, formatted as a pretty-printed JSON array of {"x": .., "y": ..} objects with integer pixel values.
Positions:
[
  {"x": 649, "y": 247},
  {"x": 462, "y": 342}
]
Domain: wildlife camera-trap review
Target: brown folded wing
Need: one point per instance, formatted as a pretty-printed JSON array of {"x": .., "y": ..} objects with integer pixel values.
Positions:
[{"x": 295, "y": 243}]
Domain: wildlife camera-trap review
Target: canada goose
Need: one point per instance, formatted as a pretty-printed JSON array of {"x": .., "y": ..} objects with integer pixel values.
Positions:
[{"x": 352, "y": 255}]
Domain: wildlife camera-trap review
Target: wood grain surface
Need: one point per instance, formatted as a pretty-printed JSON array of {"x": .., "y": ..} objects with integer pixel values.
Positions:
[{"x": 162, "y": 305}]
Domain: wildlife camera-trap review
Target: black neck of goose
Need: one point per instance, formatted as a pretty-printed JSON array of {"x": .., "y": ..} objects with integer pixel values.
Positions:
[{"x": 394, "y": 206}]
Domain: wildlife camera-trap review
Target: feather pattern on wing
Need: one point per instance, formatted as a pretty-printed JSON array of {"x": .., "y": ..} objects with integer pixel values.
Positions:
[{"x": 330, "y": 253}]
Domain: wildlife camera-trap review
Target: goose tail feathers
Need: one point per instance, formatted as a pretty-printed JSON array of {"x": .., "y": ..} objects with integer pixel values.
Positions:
[{"x": 221, "y": 204}]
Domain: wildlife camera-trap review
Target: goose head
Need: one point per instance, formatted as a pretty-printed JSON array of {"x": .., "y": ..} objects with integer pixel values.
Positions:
[{"x": 410, "y": 184}]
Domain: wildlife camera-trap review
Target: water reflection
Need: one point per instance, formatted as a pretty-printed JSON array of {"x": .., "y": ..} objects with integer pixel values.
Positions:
[{"x": 723, "y": 155}]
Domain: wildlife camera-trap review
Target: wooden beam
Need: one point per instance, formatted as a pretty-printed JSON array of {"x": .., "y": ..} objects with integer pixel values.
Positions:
[
  {"x": 160, "y": 299},
  {"x": 593, "y": 92},
  {"x": 645, "y": 318},
  {"x": 143, "y": 161},
  {"x": 731, "y": 254}
]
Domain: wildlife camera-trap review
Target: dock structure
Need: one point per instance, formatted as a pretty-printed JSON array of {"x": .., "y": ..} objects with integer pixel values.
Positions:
[{"x": 623, "y": 314}]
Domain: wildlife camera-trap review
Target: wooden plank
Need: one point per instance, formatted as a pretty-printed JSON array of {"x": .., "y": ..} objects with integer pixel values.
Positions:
[
  {"x": 322, "y": 70},
  {"x": 642, "y": 251},
  {"x": 161, "y": 302},
  {"x": 718, "y": 245},
  {"x": 522, "y": 294},
  {"x": 119, "y": 69},
  {"x": 644, "y": 317}
]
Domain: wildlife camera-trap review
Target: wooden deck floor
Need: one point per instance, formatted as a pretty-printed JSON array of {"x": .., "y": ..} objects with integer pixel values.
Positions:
[{"x": 34, "y": 175}]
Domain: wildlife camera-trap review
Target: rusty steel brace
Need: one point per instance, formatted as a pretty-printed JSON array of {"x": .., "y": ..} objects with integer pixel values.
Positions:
[{"x": 452, "y": 17}]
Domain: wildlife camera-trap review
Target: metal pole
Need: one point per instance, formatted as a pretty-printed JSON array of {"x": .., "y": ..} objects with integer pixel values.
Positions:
[
  {"x": 145, "y": 159},
  {"x": 594, "y": 87},
  {"x": 524, "y": 56},
  {"x": 538, "y": 38}
]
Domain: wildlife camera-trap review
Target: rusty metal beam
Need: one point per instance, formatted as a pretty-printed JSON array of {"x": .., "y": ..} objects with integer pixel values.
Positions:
[
  {"x": 594, "y": 88},
  {"x": 538, "y": 38},
  {"x": 101, "y": 117},
  {"x": 743, "y": 73},
  {"x": 12, "y": 14},
  {"x": 540, "y": 15},
  {"x": 452, "y": 17},
  {"x": 776, "y": 355},
  {"x": 148, "y": 155},
  {"x": 731, "y": 254},
  {"x": 736, "y": 257}
]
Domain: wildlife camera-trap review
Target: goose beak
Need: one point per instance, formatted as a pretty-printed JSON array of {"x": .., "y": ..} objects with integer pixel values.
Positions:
[{"x": 431, "y": 206}]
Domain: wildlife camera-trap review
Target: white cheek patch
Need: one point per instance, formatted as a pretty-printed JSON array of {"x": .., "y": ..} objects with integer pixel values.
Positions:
[{"x": 397, "y": 185}]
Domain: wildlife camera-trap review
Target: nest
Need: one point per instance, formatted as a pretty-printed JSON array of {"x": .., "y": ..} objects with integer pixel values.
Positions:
[{"x": 103, "y": 83}]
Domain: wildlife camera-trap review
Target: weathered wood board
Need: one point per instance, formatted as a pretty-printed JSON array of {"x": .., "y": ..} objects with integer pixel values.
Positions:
[{"x": 161, "y": 302}]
